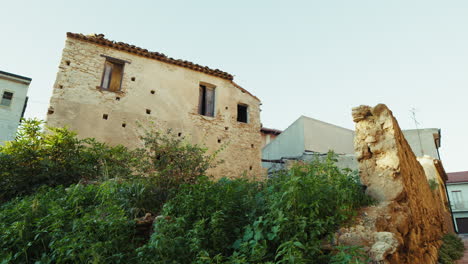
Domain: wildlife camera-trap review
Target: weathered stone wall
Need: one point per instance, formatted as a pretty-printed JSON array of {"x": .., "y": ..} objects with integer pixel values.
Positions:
[
  {"x": 407, "y": 223},
  {"x": 78, "y": 103}
]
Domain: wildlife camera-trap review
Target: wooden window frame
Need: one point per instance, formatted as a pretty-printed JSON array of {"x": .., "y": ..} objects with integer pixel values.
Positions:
[
  {"x": 114, "y": 61},
  {"x": 202, "y": 100}
]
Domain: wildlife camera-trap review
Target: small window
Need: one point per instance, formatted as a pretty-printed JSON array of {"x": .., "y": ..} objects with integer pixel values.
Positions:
[
  {"x": 6, "y": 98},
  {"x": 206, "y": 101},
  {"x": 457, "y": 199},
  {"x": 112, "y": 76},
  {"x": 242, "y": 113}
]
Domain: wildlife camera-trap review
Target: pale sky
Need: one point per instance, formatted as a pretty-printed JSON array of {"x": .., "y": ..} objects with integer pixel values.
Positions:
[{"x": 313, "y": 58}]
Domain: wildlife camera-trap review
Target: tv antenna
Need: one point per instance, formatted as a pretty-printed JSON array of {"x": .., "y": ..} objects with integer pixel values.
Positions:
[{"x": 416, "y": 124}]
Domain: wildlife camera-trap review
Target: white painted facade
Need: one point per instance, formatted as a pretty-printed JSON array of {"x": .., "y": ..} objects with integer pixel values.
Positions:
[
  {"x": 458, "y": 196},
  {"x": 13, "y": 99},
  {"x": 309, "y": 135}
]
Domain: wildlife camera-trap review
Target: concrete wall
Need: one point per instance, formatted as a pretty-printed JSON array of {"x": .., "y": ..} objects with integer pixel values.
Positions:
[
  {"x": 321, "y": 137},
  {"x": 77, "y": 102},
  {"x": 290, "y": 143},
  {"x": 10, "y": 115},
  {"x": 425, "y": 138},
  {"x": 308, "y": 134}
]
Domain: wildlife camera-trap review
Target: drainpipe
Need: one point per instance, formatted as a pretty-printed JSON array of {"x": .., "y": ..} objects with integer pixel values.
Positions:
[{"x": 450, "y": 208}]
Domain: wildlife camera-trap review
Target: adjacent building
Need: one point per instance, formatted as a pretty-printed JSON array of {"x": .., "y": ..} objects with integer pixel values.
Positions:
[
  {"x": 424, "y": 141},
  {"x": 307, "y": 136},
  {"x": 106, "y": 89},
  {"x": 268, "y": 135},
  {"x": 13, "y": 101},
  {"x": 457, "y": 188}
]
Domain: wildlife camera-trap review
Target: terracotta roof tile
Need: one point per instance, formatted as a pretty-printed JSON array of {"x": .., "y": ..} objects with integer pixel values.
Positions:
[
  {"x": 461, "y": 176},
  {"x": 273, "y": 131},
  {"x": 100, "y": 40}
]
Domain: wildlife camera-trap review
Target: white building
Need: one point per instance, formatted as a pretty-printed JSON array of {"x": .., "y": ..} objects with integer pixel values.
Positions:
[
  {"x": 457, "y": 188},
  {"x": 13, "y": 101}
]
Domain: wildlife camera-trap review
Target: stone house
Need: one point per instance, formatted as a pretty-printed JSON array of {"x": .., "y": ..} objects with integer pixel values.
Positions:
[
  {"x": 13, "y": 101},
  {"x": 104, "y": 88}
]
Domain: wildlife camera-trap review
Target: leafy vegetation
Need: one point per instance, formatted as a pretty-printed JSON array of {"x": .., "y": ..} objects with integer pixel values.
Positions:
[
  {"x": 56, "y": 157},
  {"x": 451, "y": 250},
  {"x": 433, "y": 185},
  {"x": 283, "y": 220},
  {"x": 171, "y": 161},
  {"x": 70, "y": 200},
  {"x": 80, "y": 224}
]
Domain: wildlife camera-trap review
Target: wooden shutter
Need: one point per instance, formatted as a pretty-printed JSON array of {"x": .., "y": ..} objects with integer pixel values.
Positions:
[
  {"x": 116, "y": 77},
  {"x": 107, "y": 75}
]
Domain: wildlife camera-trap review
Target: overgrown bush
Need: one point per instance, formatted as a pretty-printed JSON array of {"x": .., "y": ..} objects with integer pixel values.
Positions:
[
  {"x": 56, "y": 157},
  {"x": 284, "y": 220},
  {"x": 451, "y": 250},
  {"x": 171, "y": 160},
  {"x": 80, "y": 224}
]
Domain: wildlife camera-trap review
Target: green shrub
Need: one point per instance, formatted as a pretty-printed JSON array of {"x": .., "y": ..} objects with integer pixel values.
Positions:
[
  {"x": 452, "y": 249},
  {"x": 56, "y": 157},
  {"x": 433, "y": 185},
  {"x": 170, "y": 160},
  {"x": 79, "y": 224},
  {"x": 203, "y": 219},
  {"x": 284, "y": 220},
  {"x": 349, "y": 255}
]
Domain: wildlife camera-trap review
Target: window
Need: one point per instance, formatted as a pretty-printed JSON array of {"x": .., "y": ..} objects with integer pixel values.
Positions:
[
  {"x": 206, "y": 100},
  {"x": 112, "y": 76},
  {"x": 242, "y": 113},
  {"x": 6, "y": 98},
  {"x": 457, "y": 199}
]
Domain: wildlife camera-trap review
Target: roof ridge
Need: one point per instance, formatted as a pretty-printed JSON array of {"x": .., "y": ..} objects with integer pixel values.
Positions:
[{"x": 101, "y": 40}]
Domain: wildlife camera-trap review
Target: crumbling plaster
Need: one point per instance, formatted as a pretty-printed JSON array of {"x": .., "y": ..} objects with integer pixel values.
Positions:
[
  {"x": 78, "y": 102},
  {"x": 408, "y": 220}
]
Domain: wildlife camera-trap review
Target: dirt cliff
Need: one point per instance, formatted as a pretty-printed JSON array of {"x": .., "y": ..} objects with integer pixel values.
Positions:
[{"x": 407, "y": 222}]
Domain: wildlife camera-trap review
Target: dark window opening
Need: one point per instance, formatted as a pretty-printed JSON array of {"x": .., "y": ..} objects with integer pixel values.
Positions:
[
  {"x": 105, "y": 116},
  {"x": 6, "y": 98},
  {"x": 206, "y": 101},
  {"x": 242, "y": 113},
  {"x": 124, "y": 125},
  {"x": 112, "y": 76},
  {"x": 148, "y": 111}
]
